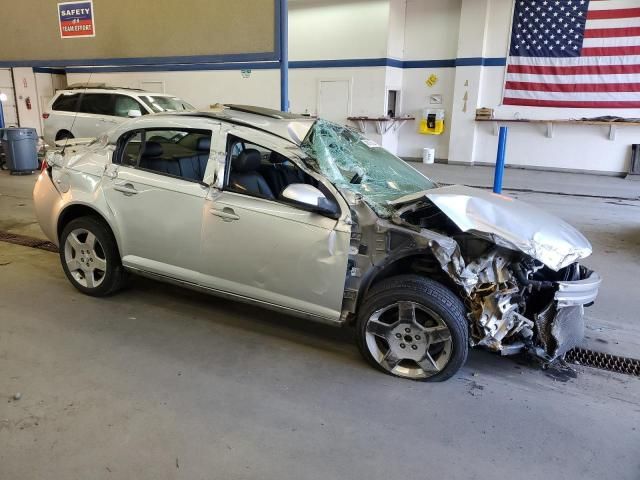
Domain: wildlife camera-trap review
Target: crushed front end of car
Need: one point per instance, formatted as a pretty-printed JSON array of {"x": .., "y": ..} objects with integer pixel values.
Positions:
[{"x": 514, "y": 265}]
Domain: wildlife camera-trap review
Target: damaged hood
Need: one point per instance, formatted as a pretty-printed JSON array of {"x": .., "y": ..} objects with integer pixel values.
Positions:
[{"x": 509, "y": 223}]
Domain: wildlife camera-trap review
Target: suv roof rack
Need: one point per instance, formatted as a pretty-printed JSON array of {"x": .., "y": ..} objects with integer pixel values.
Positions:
[
  {"x": 264, "y": 112},
  {"x": 103, "y": 86}
]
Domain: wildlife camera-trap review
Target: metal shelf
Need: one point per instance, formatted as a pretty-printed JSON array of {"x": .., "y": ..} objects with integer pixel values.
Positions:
[
  {"x": 383, "y": 124},
  {"x": 549, "y": 123}
]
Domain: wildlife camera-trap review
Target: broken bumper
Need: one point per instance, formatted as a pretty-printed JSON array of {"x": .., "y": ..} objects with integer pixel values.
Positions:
[
  {"x": 561, "y": 324},
  {"x": 579, "y": 292}
]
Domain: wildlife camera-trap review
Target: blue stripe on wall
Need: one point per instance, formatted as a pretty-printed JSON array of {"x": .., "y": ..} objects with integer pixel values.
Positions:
[
  {"x": 295, "y": 64},
  {"x": 347, "y": 63},
  {"x": 477, "y": 61},
  {"x": 179, "y": 67},
  {"x": 57, "y": 71},
  {"x": 248, "y": 57},
  {"x": 429, "y": 63}
]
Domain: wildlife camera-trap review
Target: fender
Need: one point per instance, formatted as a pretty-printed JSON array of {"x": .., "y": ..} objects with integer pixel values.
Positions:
[
  {"x": 79, "y": 209},
  {"x": 369, "y": 278}
]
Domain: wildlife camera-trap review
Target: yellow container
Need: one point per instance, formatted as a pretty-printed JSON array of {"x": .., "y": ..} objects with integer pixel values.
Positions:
[{"x": 432, "y": 121}]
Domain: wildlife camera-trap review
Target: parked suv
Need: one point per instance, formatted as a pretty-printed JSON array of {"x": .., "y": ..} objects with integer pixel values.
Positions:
[
  {"x": 311, "y": 218},
  {"x": 80, "y": 112}
]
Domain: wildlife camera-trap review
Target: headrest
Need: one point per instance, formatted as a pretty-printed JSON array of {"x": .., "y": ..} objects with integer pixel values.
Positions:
[
  {"x": 276, "y": 158},
  {"x": 248, "y": 161},
  {"x": 204, "y": 144},
  {"x": 152, "y": 149}
]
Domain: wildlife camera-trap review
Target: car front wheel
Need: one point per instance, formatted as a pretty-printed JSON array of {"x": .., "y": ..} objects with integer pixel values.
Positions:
[
  {"x": 413, "y": 327},
  {"x": 90, "y": 257}
]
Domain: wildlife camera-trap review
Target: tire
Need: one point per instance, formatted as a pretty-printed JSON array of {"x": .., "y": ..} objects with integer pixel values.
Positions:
[
  {"x": 90, "y": 258},
  {"x": 63, "y": 135},
  {"x": 413, "y": 327}
]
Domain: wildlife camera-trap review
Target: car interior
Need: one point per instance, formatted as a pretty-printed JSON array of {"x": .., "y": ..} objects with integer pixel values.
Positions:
[
  {"x": 260, "y": 172},
  {"x": 182, "y": 154}
]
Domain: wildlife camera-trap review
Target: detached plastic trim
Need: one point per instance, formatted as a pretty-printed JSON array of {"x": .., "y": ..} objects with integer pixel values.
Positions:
[{"x": 580, "y": 292}]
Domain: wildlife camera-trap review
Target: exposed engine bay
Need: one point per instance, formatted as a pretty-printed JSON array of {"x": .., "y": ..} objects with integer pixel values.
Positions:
[{"x": 515, "y": 302}]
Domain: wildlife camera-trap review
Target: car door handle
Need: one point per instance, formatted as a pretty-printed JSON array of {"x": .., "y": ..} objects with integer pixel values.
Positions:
[
  {"x": 126, "y": 188},
  {"x": 227, "y": 214}
]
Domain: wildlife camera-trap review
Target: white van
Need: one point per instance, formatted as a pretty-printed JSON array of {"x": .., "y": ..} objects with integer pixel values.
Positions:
[{"x": 80, "y": 112}]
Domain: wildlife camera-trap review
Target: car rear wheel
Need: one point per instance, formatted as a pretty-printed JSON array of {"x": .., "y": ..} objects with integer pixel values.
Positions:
[
  {"x": 90, "y": 257},
  {"x": 64, "y": 135},
  {"x": 413, "y": 327}
]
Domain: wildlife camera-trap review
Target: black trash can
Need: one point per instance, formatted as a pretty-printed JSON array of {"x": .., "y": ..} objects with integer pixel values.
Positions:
[{"x": 20, "y": 146}]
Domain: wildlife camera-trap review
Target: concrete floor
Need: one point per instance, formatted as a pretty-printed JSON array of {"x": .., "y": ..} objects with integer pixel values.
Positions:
[{"x": 162, "y": 383}]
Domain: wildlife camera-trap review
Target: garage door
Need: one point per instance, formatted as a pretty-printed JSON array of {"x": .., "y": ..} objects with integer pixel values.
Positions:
[{"x": 9, "y": 106}]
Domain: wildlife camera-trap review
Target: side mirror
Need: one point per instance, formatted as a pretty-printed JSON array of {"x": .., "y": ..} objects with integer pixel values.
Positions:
[
  {"x": 310, "y": 198},
  {"x": 134, "y": 113}
]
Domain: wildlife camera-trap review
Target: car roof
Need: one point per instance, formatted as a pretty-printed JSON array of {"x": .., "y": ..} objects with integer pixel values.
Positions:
[
  {"x": 288, "y": 126},
  {"x": 126, "y": 91}
]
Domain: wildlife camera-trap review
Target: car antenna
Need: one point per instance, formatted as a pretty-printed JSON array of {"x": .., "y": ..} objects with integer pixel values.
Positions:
[{"x": 78, "y": 103}]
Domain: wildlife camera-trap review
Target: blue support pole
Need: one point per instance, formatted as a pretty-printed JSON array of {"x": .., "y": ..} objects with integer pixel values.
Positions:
[
  {"x": 1, "y": 115},
  {"x": 502, "y": 150},
  {"x": 284, "y": 55}
]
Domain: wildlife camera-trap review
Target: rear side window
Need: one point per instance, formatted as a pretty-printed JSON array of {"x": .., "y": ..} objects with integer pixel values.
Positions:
[
  {"x": 132, "y": 149},
  {"x": 66, "y": 103},
  {"x": 97, "y": 103},
  {"x": 178, "y": 153}
]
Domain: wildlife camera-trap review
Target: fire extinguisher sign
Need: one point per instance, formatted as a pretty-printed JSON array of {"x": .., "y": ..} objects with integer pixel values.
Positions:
[{"x": 76, "y": 19}]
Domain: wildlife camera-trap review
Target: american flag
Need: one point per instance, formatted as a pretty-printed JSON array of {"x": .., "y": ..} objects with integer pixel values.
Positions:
[{"x": 574, "y": 53}]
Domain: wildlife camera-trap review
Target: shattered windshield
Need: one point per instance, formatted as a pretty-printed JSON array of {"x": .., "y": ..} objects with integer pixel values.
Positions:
[{"x": 352, "y": 161}]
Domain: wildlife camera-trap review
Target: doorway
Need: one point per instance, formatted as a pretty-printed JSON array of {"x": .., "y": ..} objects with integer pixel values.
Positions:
[{"x": 9, "y": 105}]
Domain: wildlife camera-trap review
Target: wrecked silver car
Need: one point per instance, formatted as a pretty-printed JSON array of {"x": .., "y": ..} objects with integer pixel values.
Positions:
[{"x": 313, "y": 219}]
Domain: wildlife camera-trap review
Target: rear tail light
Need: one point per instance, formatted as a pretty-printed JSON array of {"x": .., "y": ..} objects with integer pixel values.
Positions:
[{"x": 45, "y": 115}]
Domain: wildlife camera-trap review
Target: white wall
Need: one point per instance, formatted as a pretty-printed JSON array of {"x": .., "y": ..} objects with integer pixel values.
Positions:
[
  {"x": 367, "y": 88},
  {"x": 576, "y": 147},
  {"x": 431, "y": 33},
  {"x": 201, "y": 88},
  {"x": 24, "y": 81},
  {"x": 409, "y": 30},
  {"x": 395, "y": 31},
  {"x": 318, "y": 30},
  {"x": 338, "y": 29},
  {"x": 416, "y": 96}
]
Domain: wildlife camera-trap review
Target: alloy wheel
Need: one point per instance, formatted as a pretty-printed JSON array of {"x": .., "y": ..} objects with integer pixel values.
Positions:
[
  {"x": 85, "y": 258},
  {"x": 409, "y": 340}
]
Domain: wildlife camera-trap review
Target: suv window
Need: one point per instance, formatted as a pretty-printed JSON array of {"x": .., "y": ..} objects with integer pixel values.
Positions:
[
  {"x": 182, "y": 153},
  {"x": 123, "y": 104},
  {"x": 97, "y": 103},
  {"x": 66, "y": 103},
  {"x": 160, "y": 103},
  {"x": 260, "y": 172}
]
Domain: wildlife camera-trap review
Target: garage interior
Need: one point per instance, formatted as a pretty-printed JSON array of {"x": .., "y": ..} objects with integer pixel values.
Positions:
[{"x": 163, "y": 382}]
